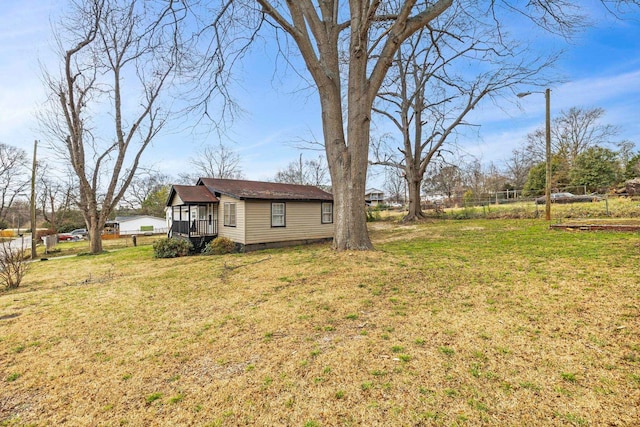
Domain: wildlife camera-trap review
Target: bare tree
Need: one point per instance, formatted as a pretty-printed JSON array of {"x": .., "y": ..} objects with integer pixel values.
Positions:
[
  {"x": 318, "y": 173},
  {"x": 495, "y": 181},
  {"x": 55, "y": 197},
  {"x": 473, "y": 178},
  {"x": 117, "y": 60},
  {"x": 517, "y": 168},
  {"x": 145, "y": 183},
  {"x": 394, "y": 185},
  {"x": 14, "y": 176},
  {"x": 443, "y": 179},
  {"x": 429, "y": 90},
  {"x": 293, "y": 174},
  {"x": 572, "y": 132},
  {"x": 217, "y": 161},
  {"x": 347, "y": 48},
  {"x": 306, "y": 172}
]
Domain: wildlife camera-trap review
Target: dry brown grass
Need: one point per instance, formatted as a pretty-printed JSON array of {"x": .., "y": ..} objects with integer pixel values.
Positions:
[{"x": 448, "y": 323}]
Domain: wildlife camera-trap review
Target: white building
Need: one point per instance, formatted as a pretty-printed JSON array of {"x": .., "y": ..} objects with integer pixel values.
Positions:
[
  {"x": 373, "y": 197},
  {"x": 141, "y": 224}
]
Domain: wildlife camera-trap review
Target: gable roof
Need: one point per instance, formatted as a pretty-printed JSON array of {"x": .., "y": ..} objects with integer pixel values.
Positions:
[
  {"x": 191, "y": 194},
  {"x": 243, "y": 189}
]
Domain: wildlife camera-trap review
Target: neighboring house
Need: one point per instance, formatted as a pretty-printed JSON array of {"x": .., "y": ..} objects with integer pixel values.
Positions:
[
  {"x": 373, "y": 197},
  {"x": 253, "y": 214},
  {"x": 139, "y": 224}
]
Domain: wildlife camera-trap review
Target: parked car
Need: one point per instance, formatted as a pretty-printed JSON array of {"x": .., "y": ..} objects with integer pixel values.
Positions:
[
  {"x": 568, "y": 198},
  {"x": 75, "y": 235}
]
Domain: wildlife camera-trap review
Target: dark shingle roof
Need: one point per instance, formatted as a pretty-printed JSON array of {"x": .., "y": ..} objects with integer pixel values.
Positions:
[
  {"x": 243, "y": 189},
  {"x": 192, "y": 194}
]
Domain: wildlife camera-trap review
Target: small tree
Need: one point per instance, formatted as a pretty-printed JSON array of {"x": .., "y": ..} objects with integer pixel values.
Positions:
[
  {"x": 13, "y": 265},
  {"x": 55, "y": 199},
  {"x": 537, "y": 178}
]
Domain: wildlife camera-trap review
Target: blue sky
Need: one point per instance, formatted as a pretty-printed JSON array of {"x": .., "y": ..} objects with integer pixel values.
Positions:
[{"x": 600, "y": 68}]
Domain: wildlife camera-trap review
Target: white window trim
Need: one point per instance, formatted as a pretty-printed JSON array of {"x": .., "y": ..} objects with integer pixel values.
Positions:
[
  {"x": 283, "y": 215},
  {"x": 322, "y": 212},
  {"x": 229, "y": 218}
]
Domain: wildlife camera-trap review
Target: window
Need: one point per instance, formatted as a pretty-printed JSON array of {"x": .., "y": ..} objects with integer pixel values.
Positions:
[
  {"x": 327, "y": 213},
  {"x": 277, "y": 215},
  {"x": 230, "y": 214}
]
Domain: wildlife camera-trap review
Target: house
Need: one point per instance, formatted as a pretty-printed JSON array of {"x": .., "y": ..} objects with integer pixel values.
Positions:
[
  {"x": 253, "y": 214},
  {"x": 373, "y": 197},
  {"x": 140, "y": 224}
]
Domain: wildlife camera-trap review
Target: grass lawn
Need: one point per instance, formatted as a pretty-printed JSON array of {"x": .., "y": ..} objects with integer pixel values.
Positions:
[{"x": 476, "y": 322}]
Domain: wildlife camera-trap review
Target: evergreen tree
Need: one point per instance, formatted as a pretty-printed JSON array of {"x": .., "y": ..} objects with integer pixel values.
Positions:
[{"x": 597, "y": 168}]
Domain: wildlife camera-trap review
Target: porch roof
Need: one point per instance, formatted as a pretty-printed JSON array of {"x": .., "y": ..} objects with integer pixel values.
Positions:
[{"x": 192, "y": 194}]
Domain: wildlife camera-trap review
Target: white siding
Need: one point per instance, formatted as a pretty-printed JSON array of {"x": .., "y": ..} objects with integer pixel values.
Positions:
[
  {"x": 132, "y": 226},
  {"x": 303, "y": 220}
]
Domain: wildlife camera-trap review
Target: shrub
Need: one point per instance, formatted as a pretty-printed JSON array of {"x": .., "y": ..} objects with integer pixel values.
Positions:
[
  {"x": 373, "y": 214},
  {"x": 13, "y": 265},
  {"x": 219, "y": 246},
  {"x": 171, "y": 248}
]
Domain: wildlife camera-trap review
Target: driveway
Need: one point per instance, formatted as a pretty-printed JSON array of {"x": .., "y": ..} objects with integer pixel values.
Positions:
[{"x": 24, "y": 242}]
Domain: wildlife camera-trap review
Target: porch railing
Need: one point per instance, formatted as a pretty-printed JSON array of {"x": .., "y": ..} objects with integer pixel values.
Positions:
[{"x": 195, "y": 228}]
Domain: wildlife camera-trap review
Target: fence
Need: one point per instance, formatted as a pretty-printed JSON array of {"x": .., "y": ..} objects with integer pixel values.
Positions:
[{"x": 598, "y": 206}]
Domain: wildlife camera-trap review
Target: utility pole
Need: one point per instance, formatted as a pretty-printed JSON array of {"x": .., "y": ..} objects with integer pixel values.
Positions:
[
  {"x": 547, "y": 186},
  {"x": 34, "y": 228}
]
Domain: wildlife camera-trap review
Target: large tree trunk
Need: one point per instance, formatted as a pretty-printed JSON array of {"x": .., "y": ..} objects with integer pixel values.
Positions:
[
  {"x": 348, "y": 169},
  {"x": 351, "y": 221},
  {"x": 95, "y": 239},
  {"x": 92, "y": 217},
  {"x": 415, "y": 209},
  {"x": 348, "y": 177},
  {"x": 348, "y": 158}
]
